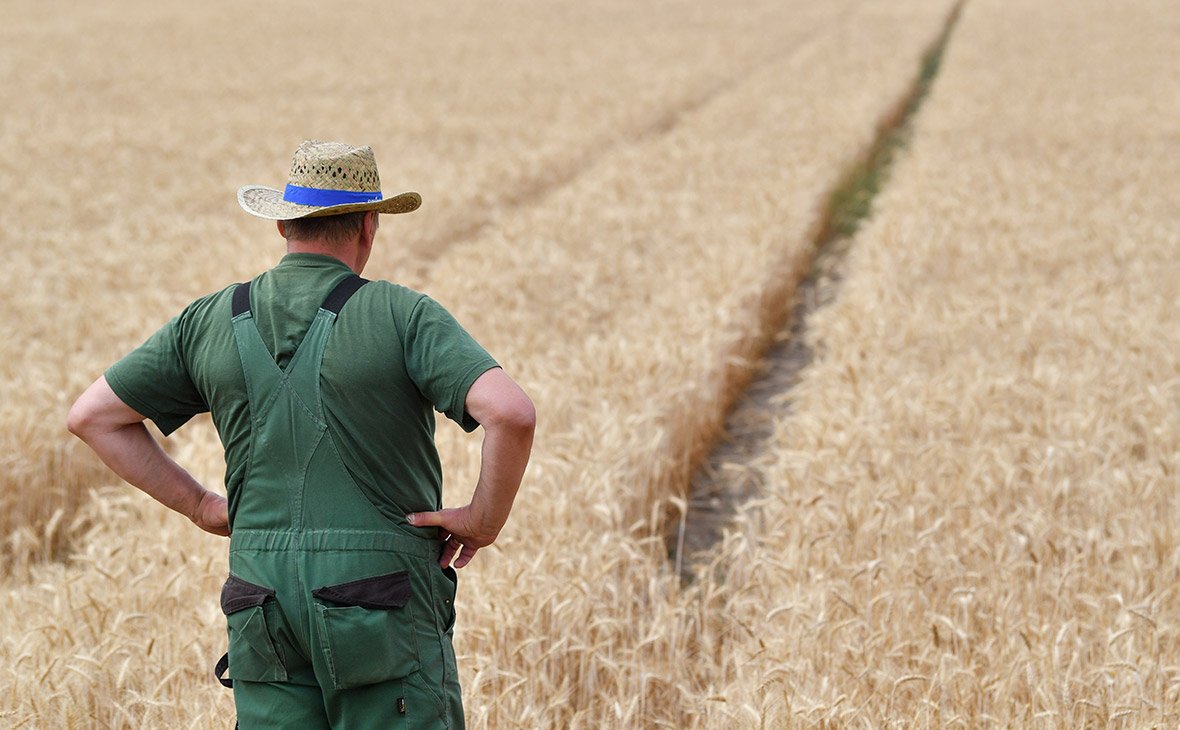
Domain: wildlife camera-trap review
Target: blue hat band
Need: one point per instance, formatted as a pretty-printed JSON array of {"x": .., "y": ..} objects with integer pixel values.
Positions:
[{"x": 326, "y": 196}]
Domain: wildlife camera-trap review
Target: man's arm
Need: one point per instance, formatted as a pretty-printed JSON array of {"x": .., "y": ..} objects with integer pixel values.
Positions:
[
  {"x": 116, "y": 433},
  {"x": 508, "y": 421}
]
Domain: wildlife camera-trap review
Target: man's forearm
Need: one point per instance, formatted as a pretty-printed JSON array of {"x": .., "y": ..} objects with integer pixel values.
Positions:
[
  {"x": 131, "y": 452},
  {"x": 505, "y": 455},
  {"x": 508, "y": 419},
  {"x": 116, "y": 433}
]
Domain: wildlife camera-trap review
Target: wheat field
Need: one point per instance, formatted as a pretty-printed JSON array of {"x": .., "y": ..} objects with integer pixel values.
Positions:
[
  {"x": 129, "y": 126},
  {"x": 968, "y": 508},
  {"x": 971, "y": 517}
]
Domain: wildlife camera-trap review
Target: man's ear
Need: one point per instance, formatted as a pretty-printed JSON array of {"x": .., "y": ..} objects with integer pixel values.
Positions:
[
  {"x": 369, "y": 227},
  {"x": 282, "y": 226}
]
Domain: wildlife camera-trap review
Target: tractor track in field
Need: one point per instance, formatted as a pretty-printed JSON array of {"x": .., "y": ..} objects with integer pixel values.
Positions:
[
  {"x": 732, "y": 473},
  {"x": 660, "y": 124}
]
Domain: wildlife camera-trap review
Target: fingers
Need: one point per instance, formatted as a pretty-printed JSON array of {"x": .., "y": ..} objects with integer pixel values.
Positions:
[
  {"x": 458, "y": 545},
  {"x": 441, "y": 518},
  {"x": 450, "y": 548},
  {"x": 216, "y": 525},
  {"x": 213, "y": 514},
  {"x": 466, "y": 556},
  {"x": 428, "y": 519},
  {"x": 453, "y": 547}
]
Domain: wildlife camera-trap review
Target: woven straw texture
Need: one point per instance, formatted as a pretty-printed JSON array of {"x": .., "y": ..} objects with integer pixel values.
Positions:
[{"x": 331, "y": 166}]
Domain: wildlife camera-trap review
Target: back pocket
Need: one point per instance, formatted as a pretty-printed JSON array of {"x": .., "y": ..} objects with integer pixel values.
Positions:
[
  {"x": 367, "y": 630},
  {"x": 252, "y": 655}
]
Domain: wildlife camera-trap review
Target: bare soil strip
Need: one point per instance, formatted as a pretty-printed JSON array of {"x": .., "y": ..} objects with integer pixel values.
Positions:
[{"x": 731, "y": 474}]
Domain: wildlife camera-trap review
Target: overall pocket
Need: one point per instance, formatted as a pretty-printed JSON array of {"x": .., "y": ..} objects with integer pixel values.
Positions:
[
  {"x": 367, "y": 630},
  {"x": 252, "y": 655}
]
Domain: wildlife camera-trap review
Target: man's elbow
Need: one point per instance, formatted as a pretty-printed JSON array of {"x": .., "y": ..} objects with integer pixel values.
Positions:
[
  {"x": 98, "y": 411},
  {"x": 81, "y": 419},
  {"x": 526, "y": 417},
  {"x": 90, "y": 414},
  {"x": 517, "y": 415}
]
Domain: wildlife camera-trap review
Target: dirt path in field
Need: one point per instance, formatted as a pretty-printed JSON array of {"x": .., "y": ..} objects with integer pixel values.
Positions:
[
  {"x": 661, "y": 123},
  {"x": 732, "y": 473}
]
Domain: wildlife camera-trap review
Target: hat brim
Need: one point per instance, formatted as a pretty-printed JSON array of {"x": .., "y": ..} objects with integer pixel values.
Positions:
[{"x": 264, "y": 202}]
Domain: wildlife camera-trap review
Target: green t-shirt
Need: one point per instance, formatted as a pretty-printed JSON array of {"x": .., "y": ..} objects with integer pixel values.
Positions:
[{"x": 392, "y": 357}]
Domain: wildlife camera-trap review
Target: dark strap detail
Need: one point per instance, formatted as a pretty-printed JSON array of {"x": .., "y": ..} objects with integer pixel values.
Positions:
[
  {"x": 379, "y": 592},
  {"x": 238, "y": 595},
  {"x": 220, "y": 669},
  {"x": 242, "y": 298},
  {"x": 334, "y": 302},
  {"x": 342, "y": 293}
]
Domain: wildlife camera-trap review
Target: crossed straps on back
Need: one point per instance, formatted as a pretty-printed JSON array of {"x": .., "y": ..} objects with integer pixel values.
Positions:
[
  {"x": 333, "y": 303},
  {"x": 288, "y": 446},
  {"x": 264, "y": 378}
]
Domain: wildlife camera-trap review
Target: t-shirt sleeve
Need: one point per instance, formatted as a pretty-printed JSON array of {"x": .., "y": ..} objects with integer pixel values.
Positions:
[
  {"x": 443, "y": 360},
  {"x": 154, "y": 380}
]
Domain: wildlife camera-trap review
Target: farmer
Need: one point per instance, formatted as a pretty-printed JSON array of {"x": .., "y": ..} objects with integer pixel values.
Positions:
[{"x": 322, "y": 386}]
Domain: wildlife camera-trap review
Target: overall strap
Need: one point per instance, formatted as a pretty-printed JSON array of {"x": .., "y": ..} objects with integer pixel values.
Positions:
[
  {"x": 261, "y": 372},
  {"x": 334, "y": 302},
  {"x": 303, "y": 372},
  {"x": 241, "y": 302},
  {"x": 343, "y": 291},
  {"x": 264, "y": 378}
]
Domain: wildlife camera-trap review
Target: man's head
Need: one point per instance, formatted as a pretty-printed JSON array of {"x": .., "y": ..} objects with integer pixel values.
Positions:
[
  {"x": 348, "y": 237},
  {"x": 331, "y": 202}
]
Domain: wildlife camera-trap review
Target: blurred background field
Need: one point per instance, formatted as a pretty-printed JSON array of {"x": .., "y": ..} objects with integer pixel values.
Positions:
[
  {"x": 968, "y": 503},
  {"x": 129, "y": 126}
]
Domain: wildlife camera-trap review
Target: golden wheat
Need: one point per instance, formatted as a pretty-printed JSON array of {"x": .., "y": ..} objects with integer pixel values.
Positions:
[
  {"x": 129, "y": 126},
  {"x": 971, "y": 510},
  {"x": 959, "y": 528}
]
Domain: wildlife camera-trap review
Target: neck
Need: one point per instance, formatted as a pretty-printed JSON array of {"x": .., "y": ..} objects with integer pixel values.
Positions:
[{"x": 348, "y": 254}]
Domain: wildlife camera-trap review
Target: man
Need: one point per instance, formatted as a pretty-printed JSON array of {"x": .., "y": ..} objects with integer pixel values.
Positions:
[{"x": 323, "y": 387}]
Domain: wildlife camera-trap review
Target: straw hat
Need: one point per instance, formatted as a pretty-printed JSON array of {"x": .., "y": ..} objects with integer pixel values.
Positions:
[{"x": 327, "y": 178}]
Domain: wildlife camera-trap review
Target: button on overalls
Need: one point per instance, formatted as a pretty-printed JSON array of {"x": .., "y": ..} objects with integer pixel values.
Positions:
[{"x": 337, "y": 616}]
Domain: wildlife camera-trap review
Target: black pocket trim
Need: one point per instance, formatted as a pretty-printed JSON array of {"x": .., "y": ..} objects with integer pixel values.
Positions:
[
  {"x": 453, "y": 580},
  {"x": 238, "y": 594},
  {"x": 379, "y": 592}
]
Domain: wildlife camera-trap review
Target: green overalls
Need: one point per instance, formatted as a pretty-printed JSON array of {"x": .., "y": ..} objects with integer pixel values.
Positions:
[{"x": 338, "y": 617}]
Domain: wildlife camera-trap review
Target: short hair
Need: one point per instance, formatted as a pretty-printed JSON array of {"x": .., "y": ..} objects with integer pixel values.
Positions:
[{"x": 328, "y": 228}]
